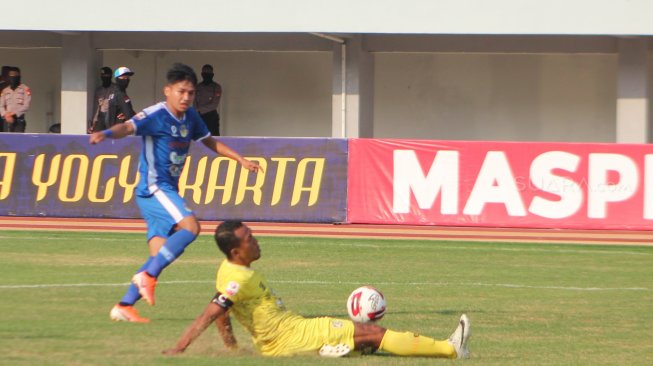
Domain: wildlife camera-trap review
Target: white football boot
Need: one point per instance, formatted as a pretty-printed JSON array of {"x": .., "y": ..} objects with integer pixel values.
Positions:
[
  {"x": 460, "y": 337},
  {"x": 338, "y": 350}
]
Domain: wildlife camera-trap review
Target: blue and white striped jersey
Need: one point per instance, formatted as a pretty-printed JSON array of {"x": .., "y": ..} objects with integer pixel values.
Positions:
[{"x": 166, "y": 141}]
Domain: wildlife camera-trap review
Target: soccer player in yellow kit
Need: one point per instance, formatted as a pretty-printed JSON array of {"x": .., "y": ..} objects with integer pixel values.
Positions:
[{"x": 245, "y": 293}]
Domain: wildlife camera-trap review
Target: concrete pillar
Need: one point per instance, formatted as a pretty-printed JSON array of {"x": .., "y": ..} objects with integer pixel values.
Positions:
[
  {"x": 78, "y": 74},
  {"x": 633, "y": 91},
  {"x": 354, "y": 117}
]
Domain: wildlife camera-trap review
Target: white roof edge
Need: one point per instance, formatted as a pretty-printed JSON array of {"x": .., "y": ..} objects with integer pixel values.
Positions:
[{"x": 551, "y": 17}]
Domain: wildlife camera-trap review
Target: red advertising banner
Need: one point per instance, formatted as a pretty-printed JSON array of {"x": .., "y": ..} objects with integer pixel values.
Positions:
[{"x": 501, "y": 184}]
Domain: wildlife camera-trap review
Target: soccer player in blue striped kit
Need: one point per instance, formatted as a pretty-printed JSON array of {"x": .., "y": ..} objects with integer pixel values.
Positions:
[{"x": 167, "y": 129}]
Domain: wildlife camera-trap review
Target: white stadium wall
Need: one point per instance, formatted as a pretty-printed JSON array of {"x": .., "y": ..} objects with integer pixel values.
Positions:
[
  {"x": 264, "y": 93},
  {"x": 624, "y": 17},
  {"x": 515, "y": 97},
  {"x": 456, "y": 96},
  {"x": 561, "y": 70}
]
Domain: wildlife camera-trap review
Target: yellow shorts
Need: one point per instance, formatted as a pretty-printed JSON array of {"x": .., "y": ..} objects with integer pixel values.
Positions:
[{"x": 307, "y": 335}]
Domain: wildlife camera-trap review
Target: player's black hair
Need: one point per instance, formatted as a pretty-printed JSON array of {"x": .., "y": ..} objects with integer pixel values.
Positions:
[
  {"x": 15, "y": 68},
  {"x": 106, "y": 70},
  {"x": 181, "y": 72},
  {"x": 207, "y": 66},
  {"x": 225, "y": 236}
]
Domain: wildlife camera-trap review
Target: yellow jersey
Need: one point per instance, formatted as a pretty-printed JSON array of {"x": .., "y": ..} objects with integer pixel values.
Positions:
[{"x": 275, "y": 331}]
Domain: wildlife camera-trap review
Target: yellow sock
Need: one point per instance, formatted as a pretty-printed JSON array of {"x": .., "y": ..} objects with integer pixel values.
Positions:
[{"x": 411, "y": 344}]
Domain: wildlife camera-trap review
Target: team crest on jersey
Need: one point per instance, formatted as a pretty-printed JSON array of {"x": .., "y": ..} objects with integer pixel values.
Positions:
[
  {"x": 232, "y": 288},
  {"x": 175, "y": 170},
  {"x": 174, "y": 131},
  {"x": 183, "y": 130},
  {"x": 176, "y": 158}
]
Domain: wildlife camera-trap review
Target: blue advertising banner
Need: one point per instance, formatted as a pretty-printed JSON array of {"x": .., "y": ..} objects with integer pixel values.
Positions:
[{"x": 305, "y": 179}]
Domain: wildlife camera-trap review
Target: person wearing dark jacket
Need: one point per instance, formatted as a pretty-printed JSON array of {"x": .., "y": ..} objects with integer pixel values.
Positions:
[
  {"x": 120, "y": 106},
  {"x": 101, "y": 100}
]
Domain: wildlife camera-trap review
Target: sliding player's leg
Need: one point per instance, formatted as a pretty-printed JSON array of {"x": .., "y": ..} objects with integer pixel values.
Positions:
[{"x": 411, "y": 344}]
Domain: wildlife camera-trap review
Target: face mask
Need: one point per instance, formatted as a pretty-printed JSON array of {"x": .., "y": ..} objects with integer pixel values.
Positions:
[
  {"x": 106, "y": 81},
  {"x": 122, "y": 83},
  {"x": 14, "y": 81},
  {"x": 207, "y": 76}
]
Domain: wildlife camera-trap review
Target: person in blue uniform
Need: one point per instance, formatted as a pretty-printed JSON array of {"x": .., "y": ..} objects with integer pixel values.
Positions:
[{"x": 167, "y": 129}]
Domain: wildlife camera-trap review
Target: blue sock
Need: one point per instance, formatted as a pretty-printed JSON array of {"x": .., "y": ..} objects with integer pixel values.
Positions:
[
  {"x": 132, "y": 295},
  {"x": 170, "y": 251}
]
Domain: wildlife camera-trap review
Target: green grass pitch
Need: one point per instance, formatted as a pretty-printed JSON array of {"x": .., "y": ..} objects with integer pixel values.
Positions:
[{"x": 530, "y": 304}]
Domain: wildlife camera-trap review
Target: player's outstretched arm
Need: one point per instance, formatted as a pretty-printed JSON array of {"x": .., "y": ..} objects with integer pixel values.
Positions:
[
  {"x": 118, "y": 131},
  {"x": 225, "y": 150},
  {"x": 210, "y": 314},
  {"x": 223, "y": 322}
]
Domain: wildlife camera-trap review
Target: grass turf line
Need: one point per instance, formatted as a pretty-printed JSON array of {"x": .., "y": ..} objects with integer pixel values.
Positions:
[{"x": 520, "y": 298}]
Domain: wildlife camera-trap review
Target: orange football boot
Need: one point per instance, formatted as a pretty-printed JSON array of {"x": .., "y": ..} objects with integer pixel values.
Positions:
[
  {"x": 145, "y": 285},
  {"x": 128, "y": 313}
]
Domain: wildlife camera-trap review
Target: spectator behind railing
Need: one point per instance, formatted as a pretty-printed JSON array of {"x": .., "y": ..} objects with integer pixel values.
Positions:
[
  {"x": 15, "y": 100},
  {"x": 101, "y": 101},
  {"x": 208, "y": 99},
  {"x": 120, "y": 105}
]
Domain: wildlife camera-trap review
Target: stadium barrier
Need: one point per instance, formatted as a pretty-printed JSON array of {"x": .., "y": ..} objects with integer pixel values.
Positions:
[
  {"x": 374, "y": 181},
  {"x": 305, "y": 179},
  {"x": 501, "y": 184}
]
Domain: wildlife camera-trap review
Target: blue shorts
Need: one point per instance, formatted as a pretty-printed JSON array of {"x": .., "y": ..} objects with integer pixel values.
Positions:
[{"x": 162, "y": 211}]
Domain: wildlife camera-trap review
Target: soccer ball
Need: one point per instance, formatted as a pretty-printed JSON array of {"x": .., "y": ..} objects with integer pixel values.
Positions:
[{"x": 366, "y": 304}]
